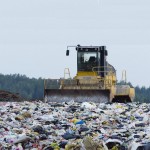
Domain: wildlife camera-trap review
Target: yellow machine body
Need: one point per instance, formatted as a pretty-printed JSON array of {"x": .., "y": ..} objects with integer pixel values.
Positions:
[{"x": 97, "y": 84}]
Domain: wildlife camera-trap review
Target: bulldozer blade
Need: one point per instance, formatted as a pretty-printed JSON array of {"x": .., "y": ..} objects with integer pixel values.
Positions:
[{"x": 59, "y": 95}]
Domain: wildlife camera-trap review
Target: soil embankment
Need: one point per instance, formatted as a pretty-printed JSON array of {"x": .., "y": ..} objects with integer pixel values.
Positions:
[{"x": 8, "y": 96}]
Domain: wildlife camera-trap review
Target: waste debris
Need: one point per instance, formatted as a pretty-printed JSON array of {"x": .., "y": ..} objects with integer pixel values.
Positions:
[{"x": 74, "y": 126}]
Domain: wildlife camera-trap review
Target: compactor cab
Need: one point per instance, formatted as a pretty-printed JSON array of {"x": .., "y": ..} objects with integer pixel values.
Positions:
[{"x": 95, "y": 80}]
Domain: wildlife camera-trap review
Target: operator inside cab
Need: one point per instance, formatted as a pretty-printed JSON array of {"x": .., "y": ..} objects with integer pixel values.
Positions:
[{"x": 87, "y": 60}]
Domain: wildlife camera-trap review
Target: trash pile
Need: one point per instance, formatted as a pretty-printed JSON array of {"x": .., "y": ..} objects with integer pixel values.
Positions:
[{"x": 74, "y": 126}]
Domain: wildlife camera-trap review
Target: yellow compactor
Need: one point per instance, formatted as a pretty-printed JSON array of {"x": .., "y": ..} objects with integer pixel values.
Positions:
[{"x": 95, "y": 80}]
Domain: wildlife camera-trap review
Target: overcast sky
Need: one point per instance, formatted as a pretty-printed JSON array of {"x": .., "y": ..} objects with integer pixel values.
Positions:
[{"x": 34, "y": 35}]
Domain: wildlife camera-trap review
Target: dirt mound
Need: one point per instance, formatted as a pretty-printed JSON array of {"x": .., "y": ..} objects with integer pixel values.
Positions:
[{"x": 8, "y": 96}]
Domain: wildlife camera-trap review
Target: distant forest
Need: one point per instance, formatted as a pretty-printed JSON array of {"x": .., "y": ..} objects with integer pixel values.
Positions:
[{"x": 32, "y": 88}]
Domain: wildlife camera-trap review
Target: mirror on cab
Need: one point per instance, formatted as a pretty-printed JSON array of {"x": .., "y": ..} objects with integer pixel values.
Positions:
[{"x": 67, "y": 52}]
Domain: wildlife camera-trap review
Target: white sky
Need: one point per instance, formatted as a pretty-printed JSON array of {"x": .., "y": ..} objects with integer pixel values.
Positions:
[{"x": 34, "y": 35}]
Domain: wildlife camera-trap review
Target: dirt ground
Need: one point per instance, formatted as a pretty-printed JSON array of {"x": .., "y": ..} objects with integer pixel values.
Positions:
[{"x": 8, "y": 96}]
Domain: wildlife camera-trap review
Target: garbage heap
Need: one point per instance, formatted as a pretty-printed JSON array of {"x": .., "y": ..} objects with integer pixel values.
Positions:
[{"x": 74, "y": 126}]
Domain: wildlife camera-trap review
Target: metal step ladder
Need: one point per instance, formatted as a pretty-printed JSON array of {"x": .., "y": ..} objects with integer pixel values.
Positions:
[{"x": 67, "y": 73}]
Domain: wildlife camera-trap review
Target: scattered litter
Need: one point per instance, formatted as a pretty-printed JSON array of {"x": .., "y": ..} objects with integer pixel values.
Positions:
[{"x": 74, "y": 126}]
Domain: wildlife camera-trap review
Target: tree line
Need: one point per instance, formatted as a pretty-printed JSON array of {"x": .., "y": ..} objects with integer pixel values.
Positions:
[{"x": 32, "y": 88}]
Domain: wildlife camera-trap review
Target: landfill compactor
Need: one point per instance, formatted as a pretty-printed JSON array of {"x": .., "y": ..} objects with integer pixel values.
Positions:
[{"x": 95, "y": 80}]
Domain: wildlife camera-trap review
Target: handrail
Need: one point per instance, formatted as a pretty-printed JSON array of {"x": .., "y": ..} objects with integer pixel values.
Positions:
[
  {"x": 67, "y": 71},
  {"x": 107, "y": 69},
  {"x": 124, "y": 76}
]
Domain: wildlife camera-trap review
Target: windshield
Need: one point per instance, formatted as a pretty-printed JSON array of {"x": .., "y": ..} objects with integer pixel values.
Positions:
[{"x": 87, "y": 60}]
